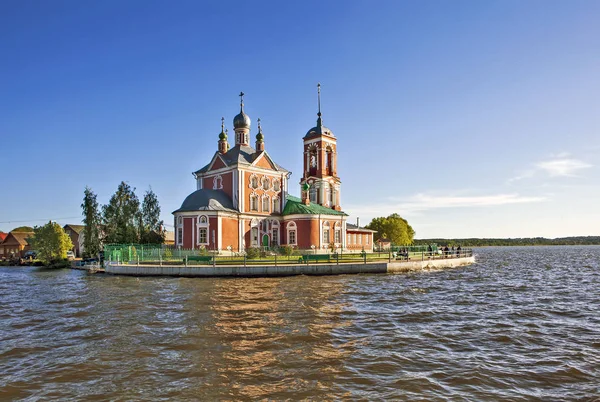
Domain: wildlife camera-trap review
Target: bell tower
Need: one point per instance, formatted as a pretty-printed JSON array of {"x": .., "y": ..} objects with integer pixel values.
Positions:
[{"x": 320, "y": 164}]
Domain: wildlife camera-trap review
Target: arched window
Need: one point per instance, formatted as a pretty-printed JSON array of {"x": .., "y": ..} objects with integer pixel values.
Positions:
[
  {"x": 337, "y": 234},
  {"x": 312, "y": 160},
  {"x": 328, "y": 160},
  {"x": 275, "y": 204},
  {"x": 217, "y": 182},
  {"x": 276, "y": 185},
  {"x": 202, "y": 237},
  {"x": 274, "y": 233},
  {"x": 179, "y": 230},
  {"x": 266, "y": 183},
  {"x": 313, "y": 194},
  {"x": 326, "y": 238},
  {"x": 331, "y": 196},
  {"x": 291, "y": 234},
  {"x": 266, "y": 201},
  {"x": 254, "y": 202},
  {"x": 254, "y": 232}
]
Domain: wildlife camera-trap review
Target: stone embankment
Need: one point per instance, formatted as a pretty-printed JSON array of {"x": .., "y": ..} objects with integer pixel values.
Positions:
[{"x": 285, "y": 270}]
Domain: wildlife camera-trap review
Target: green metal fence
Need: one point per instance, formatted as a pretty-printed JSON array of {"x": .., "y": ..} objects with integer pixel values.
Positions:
[{"x": 152, "y": 254}]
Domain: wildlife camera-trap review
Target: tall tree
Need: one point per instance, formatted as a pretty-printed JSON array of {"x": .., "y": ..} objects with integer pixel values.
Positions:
[
  {"x": 91, "y": 220},
  {"x": 394, "y": 228},
  {"x": 152, "y": 231},
  {"x": 121, "y": 217},
  {"x": 23, "y": 229},
  {"x": 51, "y": 242}
]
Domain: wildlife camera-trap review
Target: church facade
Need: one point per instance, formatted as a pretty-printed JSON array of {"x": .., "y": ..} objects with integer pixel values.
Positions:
[{"x": 242, "y": 200}]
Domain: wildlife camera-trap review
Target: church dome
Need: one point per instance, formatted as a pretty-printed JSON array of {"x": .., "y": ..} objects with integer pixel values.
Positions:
[
  {"x": 242, "y": 120},
  {"x": 319, "y": 130}
]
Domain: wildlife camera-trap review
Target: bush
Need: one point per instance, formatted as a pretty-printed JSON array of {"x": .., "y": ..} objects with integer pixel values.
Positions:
[
  {"x": 286, "y": 250},
  {"x": 252, "y": 253}
]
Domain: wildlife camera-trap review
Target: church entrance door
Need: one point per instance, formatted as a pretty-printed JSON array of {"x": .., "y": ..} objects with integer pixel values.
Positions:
[{"x": 265, "y": 240}]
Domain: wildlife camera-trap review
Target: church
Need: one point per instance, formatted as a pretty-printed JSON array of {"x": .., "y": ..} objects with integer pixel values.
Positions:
[{"x": 242, "y": 200}]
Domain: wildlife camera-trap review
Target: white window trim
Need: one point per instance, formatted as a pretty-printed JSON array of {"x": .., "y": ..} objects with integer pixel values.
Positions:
[
  {"x": 291, "y": 227},
  {"x": 268, "y": 200},
  {"x": 254, "y": 197}
]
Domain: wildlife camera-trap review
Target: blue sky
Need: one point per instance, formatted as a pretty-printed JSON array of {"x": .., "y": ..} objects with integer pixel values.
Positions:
[{"x": 468, "y": 118}]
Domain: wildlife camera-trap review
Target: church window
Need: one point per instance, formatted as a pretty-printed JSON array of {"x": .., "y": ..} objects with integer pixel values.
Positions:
[
  {"x": 326, "y": 233},
  {"x": 254, "y": 202},
  {"x": 328, "y": 161},
  {"x": 202, "y": 229},
  {"x": 359, "y": 239},
  {"x": 276, "y": 185},
  {"x": 254, "y": 235},
  {"x": 349, "y": 238},
  {"x": 354, "y": 239},
  {"x": 337, "y": 233},
  {"x": 367, "y": 239},
  {"x": 313, "y": 194},
  {"x": 266, "y": 183},
  {"x": 217, "y": 183},
  {"x": 203, "y": 236},
  {"x": 179, "y": 236},
  {"x": 312, "y": 160},
  {"x": 330, "y": 195},
  {"x": 291, "y": 233},
  {"x": 275, "y": 208},
  {"x": 253, "y": 182},
  {"x": 265, "y": 203},
  {"x": 179, "y": 220},
  {"x": 274, "y": 233}
]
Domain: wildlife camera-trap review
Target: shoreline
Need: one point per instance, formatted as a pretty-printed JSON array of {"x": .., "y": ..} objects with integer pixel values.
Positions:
[{"x": 208, "y": 271}]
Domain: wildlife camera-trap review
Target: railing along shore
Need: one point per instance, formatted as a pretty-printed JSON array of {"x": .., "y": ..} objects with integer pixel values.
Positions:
[{"x": 154, "y": 256}]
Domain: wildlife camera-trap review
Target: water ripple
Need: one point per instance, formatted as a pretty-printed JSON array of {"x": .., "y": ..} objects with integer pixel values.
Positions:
[{"x": 522, "y": 324}]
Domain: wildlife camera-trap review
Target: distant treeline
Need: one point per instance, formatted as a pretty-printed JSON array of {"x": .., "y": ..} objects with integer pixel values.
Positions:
[{"x": 525, "y": 241}]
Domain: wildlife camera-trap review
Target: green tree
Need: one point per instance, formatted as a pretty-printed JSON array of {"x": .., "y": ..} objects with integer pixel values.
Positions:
[
  {"x": 152, "y": 226},
  {"x": 121, "y": 217},
  {"x": 23, "y": 229},
  {"x": 91, "y": 220},
  {"x": 51, "y": 243},
  {"x": 393, "y": 227}
]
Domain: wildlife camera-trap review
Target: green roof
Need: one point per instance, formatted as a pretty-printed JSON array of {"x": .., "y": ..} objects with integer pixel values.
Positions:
[{"x": 294, "y": 206}]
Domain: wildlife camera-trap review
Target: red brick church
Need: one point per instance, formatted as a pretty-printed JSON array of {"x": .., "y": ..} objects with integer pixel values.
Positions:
[{"x": 241, "y": 198}]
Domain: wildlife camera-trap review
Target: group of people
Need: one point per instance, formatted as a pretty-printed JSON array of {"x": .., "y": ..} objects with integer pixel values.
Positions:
[
  {"x": 448, "y": 252},
  {"x": 451, "y": 251}
]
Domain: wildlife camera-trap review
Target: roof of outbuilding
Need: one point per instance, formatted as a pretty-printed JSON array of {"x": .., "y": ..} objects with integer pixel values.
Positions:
[
  {"x": 294, "y": 206},
  {"x": 3, "y": 236},
  {"x": 76, "y": 228},
  {"x": 240, "y": 155},
  {"x": 207, "y": 200},
  {"x": 19, "y": 237},
  {"x": 355, "y": 228}
]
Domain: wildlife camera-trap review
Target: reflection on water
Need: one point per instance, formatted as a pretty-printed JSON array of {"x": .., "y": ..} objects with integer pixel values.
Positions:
[{"x": 521, "y": 324}]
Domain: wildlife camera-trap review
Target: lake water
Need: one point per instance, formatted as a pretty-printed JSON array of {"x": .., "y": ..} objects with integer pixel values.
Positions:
[{"x": 520, "y": 324}]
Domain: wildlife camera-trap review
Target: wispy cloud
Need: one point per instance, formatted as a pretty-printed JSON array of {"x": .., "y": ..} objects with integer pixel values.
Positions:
[
  {"x": 559, "y": 165},
  {"x": 562, "y": 167},
  {"x": 423, "y": 202}
]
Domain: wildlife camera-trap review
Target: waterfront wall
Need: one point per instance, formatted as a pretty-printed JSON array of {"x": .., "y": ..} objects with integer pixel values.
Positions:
[{"x": 285, "y": 270}]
